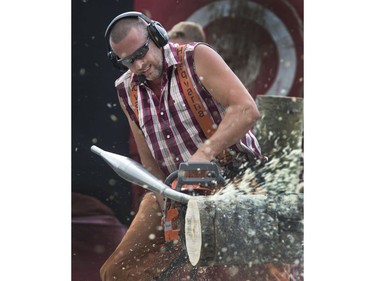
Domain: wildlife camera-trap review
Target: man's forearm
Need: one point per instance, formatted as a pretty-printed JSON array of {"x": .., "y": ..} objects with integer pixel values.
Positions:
[{"x": 238, "y": 120}]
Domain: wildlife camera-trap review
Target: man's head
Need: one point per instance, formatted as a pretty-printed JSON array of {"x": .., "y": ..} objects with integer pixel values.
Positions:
[
  {"x": 187, "y": 31},
  {"x": 134, "y": 42}
]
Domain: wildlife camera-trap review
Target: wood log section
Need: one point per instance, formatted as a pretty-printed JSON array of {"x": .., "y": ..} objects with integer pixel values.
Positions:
[
  {"x": 279, "y": 131},
  {"x": 280, "y": 124},
  {"x": 244, "y": 229}
]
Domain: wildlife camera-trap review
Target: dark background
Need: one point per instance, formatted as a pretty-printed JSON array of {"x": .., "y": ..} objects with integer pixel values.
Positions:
[{"x": 96, "y": 115}]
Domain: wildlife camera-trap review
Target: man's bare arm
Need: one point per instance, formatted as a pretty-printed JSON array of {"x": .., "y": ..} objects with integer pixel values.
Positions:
[{"x": 225, "y": 87}]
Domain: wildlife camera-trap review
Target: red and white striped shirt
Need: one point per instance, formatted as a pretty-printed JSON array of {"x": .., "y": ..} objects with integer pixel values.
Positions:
[{"x": 167, "y": 122}]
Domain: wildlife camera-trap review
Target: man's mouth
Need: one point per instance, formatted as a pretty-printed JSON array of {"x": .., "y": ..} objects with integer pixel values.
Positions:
[{"x": 146, "y": 70}]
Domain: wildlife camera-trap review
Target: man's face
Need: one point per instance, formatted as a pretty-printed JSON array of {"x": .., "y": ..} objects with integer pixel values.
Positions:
[{"x": 139, "y": 53}]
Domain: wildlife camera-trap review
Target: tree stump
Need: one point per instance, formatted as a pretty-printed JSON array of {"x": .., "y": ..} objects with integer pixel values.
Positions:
[
  {"x": 280, "y": 124},
  {"x": 279, "y": 131}
]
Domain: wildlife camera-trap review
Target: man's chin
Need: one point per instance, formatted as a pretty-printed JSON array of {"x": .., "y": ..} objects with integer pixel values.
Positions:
[{"x": 152, "y": 77}]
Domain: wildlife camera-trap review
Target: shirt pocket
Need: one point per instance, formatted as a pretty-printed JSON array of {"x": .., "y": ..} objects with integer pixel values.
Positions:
[
  {"x": 178, "y": 106},
  {"x": 183, "y": 117}
]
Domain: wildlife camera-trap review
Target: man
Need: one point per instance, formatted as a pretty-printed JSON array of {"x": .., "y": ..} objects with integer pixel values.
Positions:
[
  {"x": 166, "y": 131},
  {"x": 181, "y": 33},
  {"x": 185, "y": 32}
]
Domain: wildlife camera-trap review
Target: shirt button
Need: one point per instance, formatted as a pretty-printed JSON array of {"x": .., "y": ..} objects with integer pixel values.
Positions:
[
  {"x": 162, "y": 113},
  {"x": 168, "y": 136}
]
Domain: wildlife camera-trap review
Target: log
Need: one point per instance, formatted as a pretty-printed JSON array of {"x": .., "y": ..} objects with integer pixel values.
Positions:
[
  {"x": 222, "y": 230},
  {"x": 280, "y": 124},
  {"x": 279, "y": 131}
]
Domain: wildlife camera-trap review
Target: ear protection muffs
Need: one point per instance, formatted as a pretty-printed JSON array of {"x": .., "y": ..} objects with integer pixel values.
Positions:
[{"x": 156, "y": 31}]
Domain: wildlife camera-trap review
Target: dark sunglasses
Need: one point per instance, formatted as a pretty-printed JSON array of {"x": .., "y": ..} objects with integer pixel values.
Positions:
[{"x": 137, "y": 55}]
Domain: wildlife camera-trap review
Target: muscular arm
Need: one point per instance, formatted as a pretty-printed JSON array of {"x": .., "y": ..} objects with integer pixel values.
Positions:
[{"x": 225, "y": 87}]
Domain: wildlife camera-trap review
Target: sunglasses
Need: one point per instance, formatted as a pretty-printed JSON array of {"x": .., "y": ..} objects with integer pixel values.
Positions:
[{"x": 137, "y": 55}]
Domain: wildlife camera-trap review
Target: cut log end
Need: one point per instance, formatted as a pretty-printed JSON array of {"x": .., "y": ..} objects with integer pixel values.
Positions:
[{"x": 193, "y": 233}]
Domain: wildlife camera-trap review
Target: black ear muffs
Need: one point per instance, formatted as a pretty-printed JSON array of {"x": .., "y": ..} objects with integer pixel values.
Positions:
[{"x": 156, "y": 31}]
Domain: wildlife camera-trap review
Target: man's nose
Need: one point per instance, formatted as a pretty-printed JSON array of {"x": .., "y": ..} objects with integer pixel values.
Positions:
[{"x": 138, "y": 64}]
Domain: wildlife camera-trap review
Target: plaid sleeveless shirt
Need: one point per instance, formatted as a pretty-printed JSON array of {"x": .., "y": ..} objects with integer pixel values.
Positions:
[{"x": 167, "y": 122}]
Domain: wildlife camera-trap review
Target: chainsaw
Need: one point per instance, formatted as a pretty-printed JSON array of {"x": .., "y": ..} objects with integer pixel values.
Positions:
[{"x": 193, "y": 179}]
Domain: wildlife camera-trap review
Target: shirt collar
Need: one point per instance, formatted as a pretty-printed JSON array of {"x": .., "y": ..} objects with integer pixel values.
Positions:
[{"x": 170, "y": 54}]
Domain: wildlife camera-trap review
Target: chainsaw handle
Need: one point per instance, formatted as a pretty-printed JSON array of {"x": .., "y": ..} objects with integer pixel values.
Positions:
[
  {"x": 212, "y": 177},
  {"x": 210, "y": 167},
  {"x": 172, "y": 176}
]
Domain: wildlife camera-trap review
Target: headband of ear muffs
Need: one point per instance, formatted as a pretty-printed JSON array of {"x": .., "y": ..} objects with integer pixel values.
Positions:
[{"x": 155, "y": 30}]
